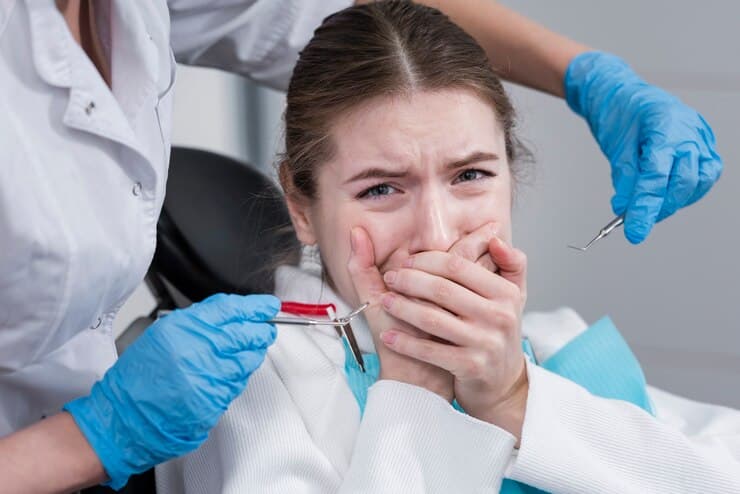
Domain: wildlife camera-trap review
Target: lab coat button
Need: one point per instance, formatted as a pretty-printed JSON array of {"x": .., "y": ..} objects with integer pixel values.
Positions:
[
  {"x": 137, "y": 189},
  {"x": 89, "y": 108},
  {"x": 97, "y": 324}
]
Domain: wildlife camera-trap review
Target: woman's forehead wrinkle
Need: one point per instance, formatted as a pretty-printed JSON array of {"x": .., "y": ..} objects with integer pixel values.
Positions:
[
  {"x": 379, "y": 146},
  {"x": 421, "y": 133},
  {"x": 401, "y": 148}
]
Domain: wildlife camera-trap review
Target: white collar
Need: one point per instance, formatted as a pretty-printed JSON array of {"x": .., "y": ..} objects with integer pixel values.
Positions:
[
  {"x": 134, "y": 61},
  {"x": 305, "y": 284}
]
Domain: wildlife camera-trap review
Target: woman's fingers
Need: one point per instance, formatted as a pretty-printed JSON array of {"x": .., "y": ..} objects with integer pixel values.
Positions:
[
  {"x": 512, "y": 263},
  {"x": 453, "y": 268},
  {"x": 430, "y": 319},
  {"x": 364, "y": 273},
  {"x": 474, "y": 246},
  {"x": 442, "y": 355},
  {"x": 449, "y": 294}
]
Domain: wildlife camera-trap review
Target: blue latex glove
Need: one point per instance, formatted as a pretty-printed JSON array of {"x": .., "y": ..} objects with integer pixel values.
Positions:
[
  {"x": 661, "y": 151},
  {"x": 173, "y": 383}
]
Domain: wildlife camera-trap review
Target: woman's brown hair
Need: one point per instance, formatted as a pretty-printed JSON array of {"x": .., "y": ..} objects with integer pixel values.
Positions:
[{"x": 386, "y": 48}]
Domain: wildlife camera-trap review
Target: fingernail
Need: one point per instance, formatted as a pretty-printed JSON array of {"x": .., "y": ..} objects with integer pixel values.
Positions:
[
  {"x": 388, "y": 337},
  {"x": 408, "y": 262},
  {"x": 387, "y": 300},
  {"x": 389, "y": 277}
]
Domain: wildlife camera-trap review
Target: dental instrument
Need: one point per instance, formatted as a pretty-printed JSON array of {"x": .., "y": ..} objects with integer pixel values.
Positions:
[
  {"x": 610, "y": 227},
  {"x": 340, "y": 324}
]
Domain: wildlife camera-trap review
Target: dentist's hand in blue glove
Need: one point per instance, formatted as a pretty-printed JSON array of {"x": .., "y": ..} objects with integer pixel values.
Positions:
[
  {"x": 173, "y": 383},
  {"x": 662, "y": 152}
]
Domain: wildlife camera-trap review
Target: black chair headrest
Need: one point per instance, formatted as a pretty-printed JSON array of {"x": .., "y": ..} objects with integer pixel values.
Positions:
[{"x": 224, "y": 226}]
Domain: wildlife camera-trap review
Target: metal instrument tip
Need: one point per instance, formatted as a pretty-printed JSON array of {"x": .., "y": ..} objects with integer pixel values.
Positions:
[{"x": 616, "y": 222}]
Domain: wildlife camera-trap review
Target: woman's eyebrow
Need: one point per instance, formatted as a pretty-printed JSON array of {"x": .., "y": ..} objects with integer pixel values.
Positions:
[
  {"x": 377, "y": 173},
  {"x": 473, "y": 157}
]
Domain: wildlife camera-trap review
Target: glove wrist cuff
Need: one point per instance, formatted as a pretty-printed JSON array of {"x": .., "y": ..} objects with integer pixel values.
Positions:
[
  {"x": 93, "y": 416},
  {"x": 587, "y": 73}
]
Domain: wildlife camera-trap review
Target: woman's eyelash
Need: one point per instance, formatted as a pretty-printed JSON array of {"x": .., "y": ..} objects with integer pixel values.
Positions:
[
  {"x": 376, "y": 191},
  {"x": 477, "y": 174},
  {"x": 385, "y": 189}
]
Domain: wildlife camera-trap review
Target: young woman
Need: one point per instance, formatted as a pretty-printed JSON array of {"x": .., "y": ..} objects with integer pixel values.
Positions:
[{"x": 399, "y": 146}]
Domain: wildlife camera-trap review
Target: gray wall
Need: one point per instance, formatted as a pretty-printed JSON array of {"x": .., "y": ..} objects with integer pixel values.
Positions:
[{"x": 675, "y": 298}]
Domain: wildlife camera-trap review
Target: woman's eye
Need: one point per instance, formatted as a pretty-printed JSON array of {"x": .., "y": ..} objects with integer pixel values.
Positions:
[
  {"x": 377, "y": 191},
  {"x": 472, "y": 174}
]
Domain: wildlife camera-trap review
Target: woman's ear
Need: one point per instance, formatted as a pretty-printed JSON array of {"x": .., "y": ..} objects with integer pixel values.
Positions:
[{"x": 298, "y": 207}]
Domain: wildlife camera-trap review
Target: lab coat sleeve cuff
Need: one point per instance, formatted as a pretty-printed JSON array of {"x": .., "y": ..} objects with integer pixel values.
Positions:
[
  {"x": 260, "y": 39},
  {"x": 573, "y": 441},
  {"x": 421, "y": 443},
  {"x": 555, "y": 434}
]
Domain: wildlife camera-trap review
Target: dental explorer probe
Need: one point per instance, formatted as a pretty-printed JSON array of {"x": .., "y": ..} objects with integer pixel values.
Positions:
[
  {"x": 341, "y": 326},
  {"x": 610, "y": 227},
  {"x": 305, "y": 321}
]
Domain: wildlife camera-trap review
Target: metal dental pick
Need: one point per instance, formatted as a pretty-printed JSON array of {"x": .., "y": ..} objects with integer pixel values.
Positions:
[
  {"x": 339, "y": 322},
  {"x": 341, "y": 325},
  {"x": 610, "y": 227}
]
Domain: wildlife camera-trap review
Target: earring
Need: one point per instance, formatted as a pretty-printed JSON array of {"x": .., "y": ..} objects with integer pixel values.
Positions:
[{"x": 311, "y": 259}]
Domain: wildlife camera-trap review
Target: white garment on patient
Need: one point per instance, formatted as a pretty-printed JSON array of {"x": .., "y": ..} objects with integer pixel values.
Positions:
[{"x": 297, "y": 428}]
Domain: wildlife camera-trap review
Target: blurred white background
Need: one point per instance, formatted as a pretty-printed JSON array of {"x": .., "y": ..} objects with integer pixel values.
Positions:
[{"x": 676, "y": 298}]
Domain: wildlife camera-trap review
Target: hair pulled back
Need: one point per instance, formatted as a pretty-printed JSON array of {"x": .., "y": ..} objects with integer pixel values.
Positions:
[{"x": 386, "y": 48}]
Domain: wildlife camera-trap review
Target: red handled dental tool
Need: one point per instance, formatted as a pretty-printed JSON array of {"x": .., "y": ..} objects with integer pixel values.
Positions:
[{"x": 340, "y": 324}]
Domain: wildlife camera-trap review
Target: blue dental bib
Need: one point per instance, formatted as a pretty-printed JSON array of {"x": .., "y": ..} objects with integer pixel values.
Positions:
[{"x": 598, "y": 359}]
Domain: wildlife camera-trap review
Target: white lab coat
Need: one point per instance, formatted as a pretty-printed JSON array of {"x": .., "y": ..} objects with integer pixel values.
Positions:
[
  {"x": 297, "y": 428},
  {"x": 83, "y": 169}
]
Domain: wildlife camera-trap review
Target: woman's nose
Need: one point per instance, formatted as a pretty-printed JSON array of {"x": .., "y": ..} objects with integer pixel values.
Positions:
[{"x": 435, "y": 226}]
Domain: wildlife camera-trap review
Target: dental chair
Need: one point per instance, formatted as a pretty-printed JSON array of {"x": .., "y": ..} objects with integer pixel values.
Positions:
[{"x": 221, "y": 225}]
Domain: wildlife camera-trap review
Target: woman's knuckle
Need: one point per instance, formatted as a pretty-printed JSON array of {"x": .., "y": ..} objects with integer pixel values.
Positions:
[
  {"x": 512, "y": 292},
  {"x": 477, "y": 366},
  {"x": 441, "y": 289},
  {"x": 467, "y": 251},
  {"x": 509, "y": 319},
  {"x": 487, "y": 263},
  {"x": 455, "y": 263},
  {"x": 493, "y": 342},
  {"x": 424, "y": 351},
  {"x": 401, "y": 280},
  {"x": 490, "y": 312},
  {"x": 465, "y": 369},
  {"x": 494, "y": 317},
  {"x": 430, "y": 322},
  {"x": 503, "y": 319}
]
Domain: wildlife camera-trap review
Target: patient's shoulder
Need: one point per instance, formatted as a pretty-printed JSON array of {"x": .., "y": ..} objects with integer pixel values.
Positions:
[{"x": 549, "y": 331}]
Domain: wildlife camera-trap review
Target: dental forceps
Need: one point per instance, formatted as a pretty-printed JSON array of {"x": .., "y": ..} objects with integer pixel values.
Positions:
[
  {"x": 610, "y": 227},
  {"x": 340, "y": 324}
]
